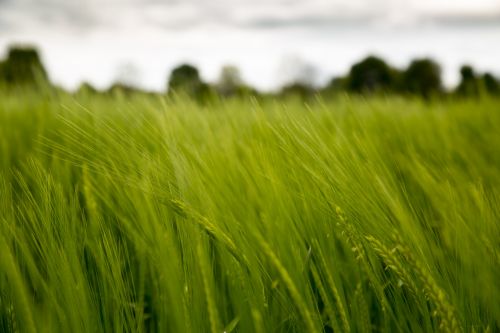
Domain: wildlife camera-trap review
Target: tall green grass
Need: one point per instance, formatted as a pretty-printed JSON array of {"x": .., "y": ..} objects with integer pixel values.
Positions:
[{"x": 152, "y": 215}]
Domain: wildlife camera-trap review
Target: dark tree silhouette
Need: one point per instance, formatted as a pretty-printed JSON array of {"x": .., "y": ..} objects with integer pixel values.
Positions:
[
  {"x": 467, "y": 73},
  {"x": 423, "y": 78},
  {"x": 371, "y": 75},
  {"x": 184, "y": 78},
  {"x": 469, "y": 85},
  {"x": 23, "y": 67},
  {"x": 491, "y": 84}
]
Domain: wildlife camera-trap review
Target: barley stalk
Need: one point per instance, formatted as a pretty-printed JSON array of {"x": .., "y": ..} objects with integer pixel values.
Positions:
[
  {"x": 333, "y": 288},
  {"x": 288, "y": 282},
  {"x": 444, "y": 310},
  {"x": 213, "y": 314},
  {"x": 392, "y": 262},
  {"x": 324, "y": 297}
]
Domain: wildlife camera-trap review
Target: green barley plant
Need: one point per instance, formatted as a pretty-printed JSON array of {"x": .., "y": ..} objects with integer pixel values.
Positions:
[{"x": 157, "y": 214}]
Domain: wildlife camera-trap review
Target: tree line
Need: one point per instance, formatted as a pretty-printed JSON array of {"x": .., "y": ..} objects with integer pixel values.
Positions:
[{"x": 372, "y": 75}]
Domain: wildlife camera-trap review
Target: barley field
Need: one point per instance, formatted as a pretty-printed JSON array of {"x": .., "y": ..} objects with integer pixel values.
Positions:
[{"x": 148, "y": 214}]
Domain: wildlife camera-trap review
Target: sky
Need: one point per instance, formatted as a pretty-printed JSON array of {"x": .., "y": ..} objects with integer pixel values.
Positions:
[{"x": 140, "y": 41}]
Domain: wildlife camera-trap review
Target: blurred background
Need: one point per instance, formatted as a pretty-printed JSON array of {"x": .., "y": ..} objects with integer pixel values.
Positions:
[{"x": 272, "y": 42}]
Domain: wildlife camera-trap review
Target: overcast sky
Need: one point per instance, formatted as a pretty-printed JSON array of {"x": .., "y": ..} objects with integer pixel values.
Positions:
[{"x": 141, "y": 40}]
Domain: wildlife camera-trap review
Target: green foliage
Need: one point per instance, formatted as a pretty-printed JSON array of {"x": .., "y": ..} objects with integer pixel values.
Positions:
[
  {"x": 335, "y": 86},
  {"x": 301, "y": 90},
  {"x": 491, "y": 84},
  {"x": 231, "y": 84},
  {"x": 469, "y": 85},
  {"x": 422, "y": 78},
  {"x": 148, "y": 214},
  {"x": 23, "y": 67},
  {"x": 185, "y": 77},
  {"x": 372, "y": 74},
  {"x": 185, "y": 80},
  {"x": 475, "y": 85}
]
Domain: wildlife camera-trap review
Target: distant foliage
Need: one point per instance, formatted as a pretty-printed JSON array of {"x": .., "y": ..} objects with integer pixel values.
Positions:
[
  {"x": 491, "y": 84},
  {"x": 231, "y": 84},
  {"x": 301, "y": 90},
  {"x": 371, "y": 75},
  {"x": 229, "y": 81},
  {"x": 23, "y": 67},
  {"x": 334, "y": 87},
  {"x": 469, "y": 85},
  {"x": 185, "y": 79},
  {"x": 423, "y": 78}
]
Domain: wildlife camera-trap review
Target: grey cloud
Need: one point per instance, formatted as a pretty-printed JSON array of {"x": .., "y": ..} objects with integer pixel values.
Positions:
[
  {"x": 469, "y": 20},
  {"x": 263, "y": 15},
  {"x": 47, "y": 14},
  {"x": 80, "y": 16},
  {"x": 184, "y": 15},
  {"x": 177, "y": 25},
  {"x": 361, "y": 20},
  {"x": 309, "y": 21}
]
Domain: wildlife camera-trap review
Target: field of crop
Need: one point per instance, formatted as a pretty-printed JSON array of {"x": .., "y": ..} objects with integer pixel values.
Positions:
[{"x": 144, "y": 214}]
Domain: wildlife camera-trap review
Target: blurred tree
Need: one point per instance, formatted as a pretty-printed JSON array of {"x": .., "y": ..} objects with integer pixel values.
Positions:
[
  {"x": 335, "y": 86},
  {"x": 23, "y": 67},
  {"x": 230, "y": 81},
  {"x": 469, "y": 85},
  {"x": 467, "y": 73},
  {"x": 230, "y": 78},
  {"x": 185, "y": 79},
  {"x": 231, "y": 84},
  {"x": 423, "y": 78},
  {"x": 371, "y": 75},
  {"x": 302, "y": 90},
  {"x": 491, "y": 84}
]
